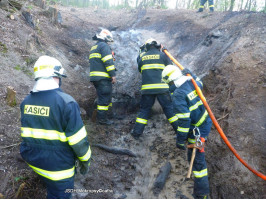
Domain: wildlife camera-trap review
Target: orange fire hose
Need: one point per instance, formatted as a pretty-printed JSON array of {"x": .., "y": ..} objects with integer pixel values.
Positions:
[{"x": 217, "y": 126}]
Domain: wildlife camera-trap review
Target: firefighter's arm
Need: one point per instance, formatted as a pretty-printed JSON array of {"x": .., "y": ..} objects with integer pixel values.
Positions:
[
  {"x": 107, "y": 59},
  {"x": 186, "y": 71},
  {"x": 77, "y": 136}
]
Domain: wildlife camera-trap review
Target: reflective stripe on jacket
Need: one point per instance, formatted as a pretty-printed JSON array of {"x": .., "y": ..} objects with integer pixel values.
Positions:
[
  {"x": 53, "y": 134},
  {"x": 151, "y": 65},
  {"x": 101, "y": 62},
  {"x": 188, "y": 107}
]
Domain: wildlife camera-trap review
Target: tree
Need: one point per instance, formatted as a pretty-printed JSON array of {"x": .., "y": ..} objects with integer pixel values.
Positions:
[{"x": 232, "y": 5}]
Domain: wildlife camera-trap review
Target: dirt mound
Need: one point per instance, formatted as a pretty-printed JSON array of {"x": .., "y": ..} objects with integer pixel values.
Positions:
[{"x": 226, "y": 49}]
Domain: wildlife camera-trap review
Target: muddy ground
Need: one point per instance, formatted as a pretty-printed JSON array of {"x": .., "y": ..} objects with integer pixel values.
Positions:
[{"x": 226, "y": 49}]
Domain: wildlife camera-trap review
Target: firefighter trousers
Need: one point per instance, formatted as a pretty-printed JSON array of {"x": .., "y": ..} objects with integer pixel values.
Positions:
[
  {"x": 202, "y": 2},
  {"x": 59, "y": 189},
  {"x": 146, "y": 103},
  {"x": 104, "y": 102},
  {"x": 199, "y": 169}
]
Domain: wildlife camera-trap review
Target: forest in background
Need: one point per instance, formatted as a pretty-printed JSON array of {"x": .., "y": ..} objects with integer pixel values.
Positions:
[{"x": 220, "y": 5}]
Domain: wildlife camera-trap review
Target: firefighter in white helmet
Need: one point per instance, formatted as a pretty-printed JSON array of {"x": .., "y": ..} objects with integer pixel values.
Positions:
[
  {"x": 192, "y": 118},
  {"x": 102, "y": 74},
  {"x": 52, "y": 131}
]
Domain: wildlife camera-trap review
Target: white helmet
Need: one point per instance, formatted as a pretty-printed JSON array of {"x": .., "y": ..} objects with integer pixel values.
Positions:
[
  {"x": 171, "y": 73},
  {"x": 105, "y": 35},
  {"x": 47, "y": 66},
  {"x": 150, "y": 42}
]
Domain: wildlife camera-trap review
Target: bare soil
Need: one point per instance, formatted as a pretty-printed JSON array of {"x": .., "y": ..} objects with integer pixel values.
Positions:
[{"x": 226, "y": 49}]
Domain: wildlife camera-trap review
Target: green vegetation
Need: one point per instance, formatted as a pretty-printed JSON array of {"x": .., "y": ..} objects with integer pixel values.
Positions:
[
  {"x": 3, "y": 48},
  {"x": 24, "y": 69},
  {"x": 20, "y": 178},
  {"x": 17, "y": 67}
]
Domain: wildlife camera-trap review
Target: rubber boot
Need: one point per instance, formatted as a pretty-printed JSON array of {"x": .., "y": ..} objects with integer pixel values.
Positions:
[
  {"x": 211, "y": 9},
  {"x": 200, "y": 10},
  {"x": 135, "y": 135},
  {"x": 102, "y": 118},
  {"x": 201, "y": 196}
]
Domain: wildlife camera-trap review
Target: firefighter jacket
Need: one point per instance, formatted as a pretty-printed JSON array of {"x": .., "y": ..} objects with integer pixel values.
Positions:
[
  {"x": 101, "y": 62},
  {"x": 188, "y": 107},
  {"x": 53, "y": 134},
  {"x": 151, "y": 65}
]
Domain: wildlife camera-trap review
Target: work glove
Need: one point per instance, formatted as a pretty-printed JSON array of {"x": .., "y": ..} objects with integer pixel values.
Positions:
[
  {"x": 142, "y": 47},
  {"x": 163, "y": 48},
  {"x": 84, "y": 168},
  {"x": 186, "y": 71}
]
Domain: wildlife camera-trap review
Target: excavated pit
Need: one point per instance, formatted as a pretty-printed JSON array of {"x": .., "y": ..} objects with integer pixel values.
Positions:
[{"x": 227, "y": 50}]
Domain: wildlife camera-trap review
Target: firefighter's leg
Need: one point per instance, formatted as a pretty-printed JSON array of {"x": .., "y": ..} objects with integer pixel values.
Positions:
[
  {"x": 200, "y": 172},
  {"x": 104, "y": 93},
  {"x": 146, "y": 104},
  {"x": 211, "y": 6},
  {"x": 59, "y": 189},
  {"x": 202, "y": 2},
  {"x": 167, "y": 105},
  {"x": 199, "y": 169}
]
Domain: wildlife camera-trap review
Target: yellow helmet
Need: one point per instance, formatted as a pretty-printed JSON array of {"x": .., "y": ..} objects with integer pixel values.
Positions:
[{"x": 47, "y": 66}]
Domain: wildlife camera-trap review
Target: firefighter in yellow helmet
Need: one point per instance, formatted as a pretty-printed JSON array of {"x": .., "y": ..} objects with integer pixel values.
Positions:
[
  {"x": 194, "y": 123},
  {"x": 52, "y": 131}
]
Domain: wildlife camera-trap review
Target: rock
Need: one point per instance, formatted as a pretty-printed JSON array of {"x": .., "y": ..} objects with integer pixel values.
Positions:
[
  {"x": 11, "y": 96},
  {"x": 161, "y": 178},
  {"x": 179, "y": 195},
  {"x": 83, "y": 112},
  {"x": 11, "y": 17},
  {"x": 216, "y": 34},
  {"x": 28, "y": 17},
  {"x": 123, "y": 196},
  {"x": 4, "y": 4},
  {"x": 40, "y": 3},
  {"x": 55, "y": 15}
]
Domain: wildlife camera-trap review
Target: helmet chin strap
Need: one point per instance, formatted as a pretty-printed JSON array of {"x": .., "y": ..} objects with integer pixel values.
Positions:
[{"x": 60, "y": 82}]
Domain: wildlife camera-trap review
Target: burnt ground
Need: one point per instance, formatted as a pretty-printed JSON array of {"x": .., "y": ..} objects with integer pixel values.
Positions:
[{"x": 226, "y": 49}]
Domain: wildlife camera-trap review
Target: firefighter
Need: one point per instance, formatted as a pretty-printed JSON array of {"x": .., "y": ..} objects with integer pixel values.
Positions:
[
  {"x": 151, "y": 65},
  {"x": 102, "y": 74},
  {"x": 142, "y": 51},
  {"x": 202, "y": 2},
  {"x": 52, "y": 131},
  {"x": 194, "y": 123}
]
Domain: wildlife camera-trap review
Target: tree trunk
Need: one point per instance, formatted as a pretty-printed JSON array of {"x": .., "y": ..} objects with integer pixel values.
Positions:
[
  {"x": 176, "y": 4},
  {"x": 188, "y": 4},
  {"x": 232, "y": 5}
]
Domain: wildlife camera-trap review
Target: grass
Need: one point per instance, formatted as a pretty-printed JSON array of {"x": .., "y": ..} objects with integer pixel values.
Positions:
[{"x": 3, "y": 48}]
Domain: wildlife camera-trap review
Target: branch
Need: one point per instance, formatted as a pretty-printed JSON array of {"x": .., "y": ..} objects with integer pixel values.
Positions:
[
  {"x": 12, "y": 145},
  {"x": 223, "y": 117}
]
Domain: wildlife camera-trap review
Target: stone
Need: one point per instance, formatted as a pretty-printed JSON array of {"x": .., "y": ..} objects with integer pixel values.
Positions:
[{"x": 11, "y": 96}]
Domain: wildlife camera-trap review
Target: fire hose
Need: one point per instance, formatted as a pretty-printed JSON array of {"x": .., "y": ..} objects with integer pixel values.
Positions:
[{"x": 216, "y": 124}]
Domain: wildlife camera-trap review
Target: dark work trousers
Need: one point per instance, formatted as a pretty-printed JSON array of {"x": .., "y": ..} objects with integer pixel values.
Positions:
[
  {"x": 59, "y": 189},
  {"x": 146, "y": 103},
  {"x": 202, "y": 2},
  {"x": 199, "y": 169},
  {"x": 104, "y": 93}
]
